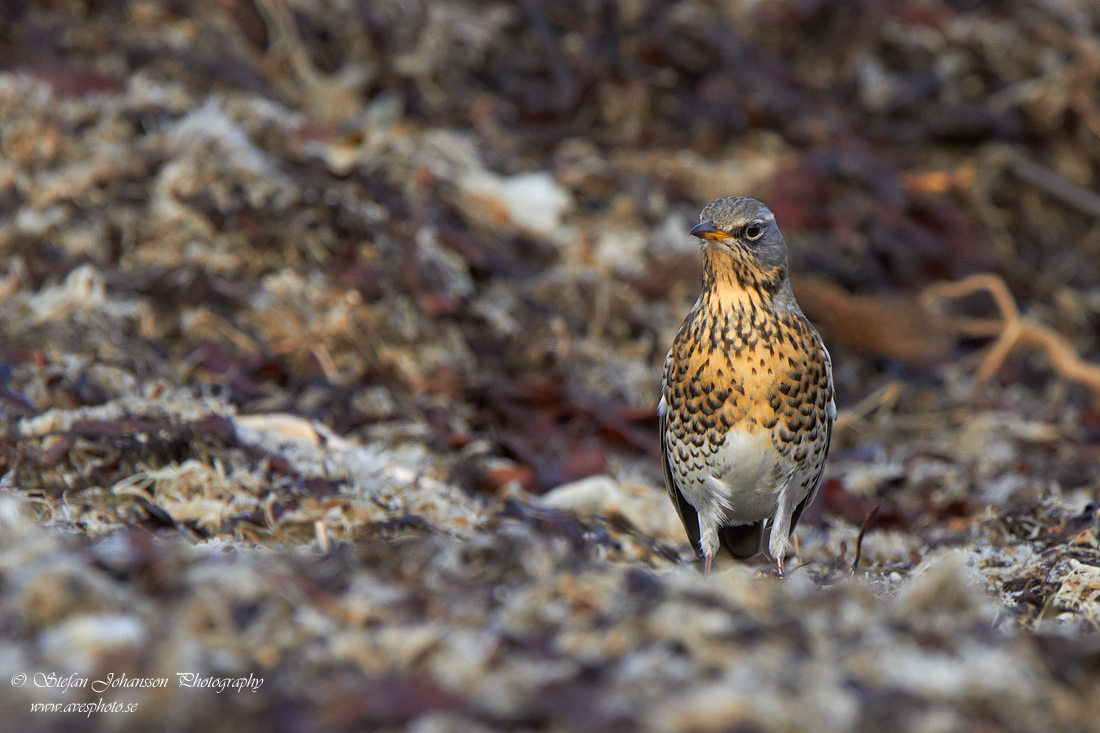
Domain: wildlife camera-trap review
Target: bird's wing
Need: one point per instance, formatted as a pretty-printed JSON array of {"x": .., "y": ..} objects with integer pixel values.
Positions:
[
  {"x": 688, "y": 515},
  {"x": 817, "y": 479},
  {"x": 830, "y": 415}
]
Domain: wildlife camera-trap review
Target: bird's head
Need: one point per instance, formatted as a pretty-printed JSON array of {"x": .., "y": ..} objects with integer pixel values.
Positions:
[{"x": 746, "y": 228}]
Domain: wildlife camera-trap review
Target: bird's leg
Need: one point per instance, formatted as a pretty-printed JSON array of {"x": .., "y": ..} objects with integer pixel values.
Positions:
[
  {"x": 708, "y": 543},
  {"x": 779, "y": 562}
]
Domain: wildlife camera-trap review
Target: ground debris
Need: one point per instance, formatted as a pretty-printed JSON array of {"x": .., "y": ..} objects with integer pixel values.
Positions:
[{"x": 330, "y": 337}]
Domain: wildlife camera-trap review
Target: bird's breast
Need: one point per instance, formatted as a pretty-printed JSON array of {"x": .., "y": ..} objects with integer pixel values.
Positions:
[{"x": 742, "y": 386}]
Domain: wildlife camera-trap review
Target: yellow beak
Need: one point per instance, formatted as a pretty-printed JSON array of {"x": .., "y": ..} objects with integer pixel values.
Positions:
[{"x": 707, "y": 230}]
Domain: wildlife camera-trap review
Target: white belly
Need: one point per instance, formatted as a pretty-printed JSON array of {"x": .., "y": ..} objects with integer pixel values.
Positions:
[{"x": 743, "y": 481}]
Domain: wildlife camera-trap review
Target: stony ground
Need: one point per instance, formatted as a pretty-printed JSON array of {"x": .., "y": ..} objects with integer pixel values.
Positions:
[{"x": 330, "y": 337}]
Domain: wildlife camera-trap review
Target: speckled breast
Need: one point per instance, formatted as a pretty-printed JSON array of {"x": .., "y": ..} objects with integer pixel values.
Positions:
[{"x": 749, "y": 375}]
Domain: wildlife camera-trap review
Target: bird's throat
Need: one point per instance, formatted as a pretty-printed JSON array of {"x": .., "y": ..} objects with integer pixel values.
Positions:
[{"x": 733, "y": 281}]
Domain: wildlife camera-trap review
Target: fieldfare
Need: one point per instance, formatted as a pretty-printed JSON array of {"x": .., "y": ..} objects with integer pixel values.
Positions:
[{"x": 747, "y": 406}]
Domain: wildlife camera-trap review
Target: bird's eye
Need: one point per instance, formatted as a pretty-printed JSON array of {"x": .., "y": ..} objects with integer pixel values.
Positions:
[{"x": 753, "y": 232}]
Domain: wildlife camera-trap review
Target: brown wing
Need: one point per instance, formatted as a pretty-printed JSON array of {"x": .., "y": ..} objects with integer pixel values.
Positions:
[
  {"x": 817, "y": 480},
  {"x": 830, "y": 413},
  {"x": 688, "y": 515}
]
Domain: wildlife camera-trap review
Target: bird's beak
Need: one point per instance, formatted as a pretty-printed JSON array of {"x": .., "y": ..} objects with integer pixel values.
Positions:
[{"x": 707, "y": 230}]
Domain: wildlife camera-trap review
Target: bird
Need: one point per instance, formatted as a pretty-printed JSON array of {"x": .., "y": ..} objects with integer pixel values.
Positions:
[{"x": 747, "y": 399}]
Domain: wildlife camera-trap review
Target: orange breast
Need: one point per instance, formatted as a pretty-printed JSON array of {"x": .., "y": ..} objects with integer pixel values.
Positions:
[{"x": 736, "y": 363}]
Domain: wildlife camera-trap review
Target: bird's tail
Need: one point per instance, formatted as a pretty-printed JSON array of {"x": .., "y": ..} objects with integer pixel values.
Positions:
[{"x": 744, "y": 540}]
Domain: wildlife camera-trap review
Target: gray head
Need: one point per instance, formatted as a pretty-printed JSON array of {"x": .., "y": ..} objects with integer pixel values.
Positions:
[{"x": 745, "y": 225}]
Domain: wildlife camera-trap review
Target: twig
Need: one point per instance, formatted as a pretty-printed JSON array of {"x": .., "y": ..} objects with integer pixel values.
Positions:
[
  {"x": 1079, "y": 198},
  {"x": 883, "y": 398},
  {"x": 331, "y": 98},
  {"x": 565, "y": 87},
  {"x": 863, "y": 530},
  {"x": 1011, "y": 331}
]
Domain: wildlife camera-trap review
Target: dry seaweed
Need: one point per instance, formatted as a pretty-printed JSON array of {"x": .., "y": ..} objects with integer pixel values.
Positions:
[{"x": 330, "y": 335}]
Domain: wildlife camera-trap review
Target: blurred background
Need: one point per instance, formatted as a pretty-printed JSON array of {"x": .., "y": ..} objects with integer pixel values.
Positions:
[
  {"x": 456, "y": 234},
  {"x": 494, "y": 197}
]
